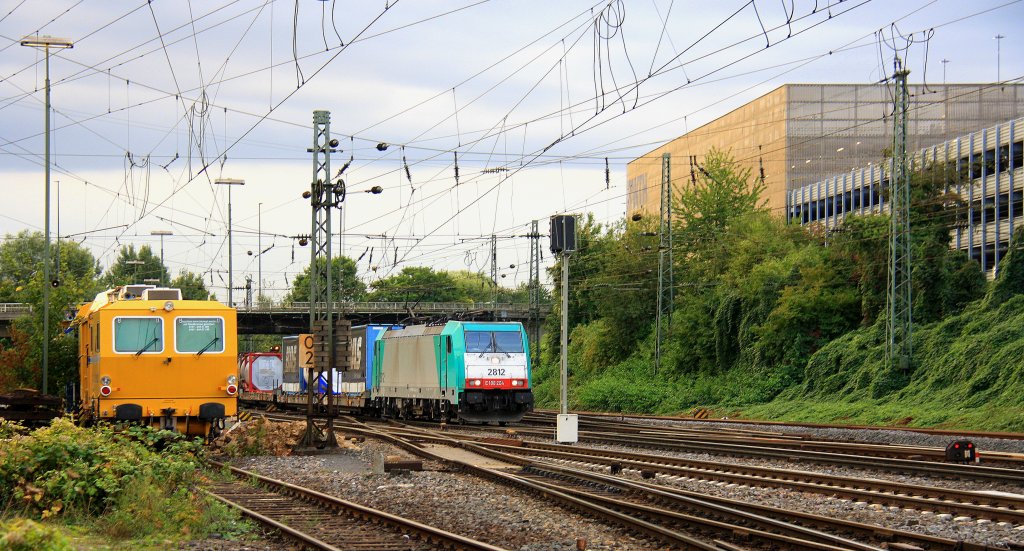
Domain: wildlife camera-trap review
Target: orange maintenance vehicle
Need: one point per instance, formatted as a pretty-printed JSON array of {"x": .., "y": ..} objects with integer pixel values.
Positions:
[{"x": 149, "y": 357}]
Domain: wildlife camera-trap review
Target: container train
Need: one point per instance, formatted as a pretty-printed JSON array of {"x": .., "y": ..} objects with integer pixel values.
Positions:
[
  {"x": 467, "y": 371},
  {"x": 147, "y": 356}
]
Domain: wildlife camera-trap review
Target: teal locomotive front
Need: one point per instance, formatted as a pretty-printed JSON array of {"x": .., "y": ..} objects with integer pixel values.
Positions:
[{"x": 471, "y": 371}]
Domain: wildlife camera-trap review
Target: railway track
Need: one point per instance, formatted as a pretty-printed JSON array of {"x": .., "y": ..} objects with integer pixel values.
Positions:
[
  {"x": 770, "y": 450},
  {"x": 739, "y": 422},
  {"x": 996, "y": 507},
  {"x": 320, "y": 521},
  {"x": 676, "y": 517},
  {"x": 796, "y": 442},
  {"x": 993, "y": 507}
]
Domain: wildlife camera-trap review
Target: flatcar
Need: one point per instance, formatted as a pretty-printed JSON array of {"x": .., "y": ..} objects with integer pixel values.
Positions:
[
  {"x": 349, "y": 386},
  {"x": 147, "y": 356},
  {"x": 260, "y": 371},
  {"x": 472, "y": 371}
]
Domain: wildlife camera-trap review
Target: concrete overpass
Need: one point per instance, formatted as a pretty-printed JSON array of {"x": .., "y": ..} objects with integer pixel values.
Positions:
[
  {"x": 10, "y": 311},
  {"x": 294, "y": 318}
]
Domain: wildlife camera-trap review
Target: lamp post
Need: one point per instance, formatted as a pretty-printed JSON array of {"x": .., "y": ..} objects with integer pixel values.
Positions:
[
  {"x": 231, "y": 285},
  {"x": 46, "y": 42},
  {"x": 162, "y": 233}
]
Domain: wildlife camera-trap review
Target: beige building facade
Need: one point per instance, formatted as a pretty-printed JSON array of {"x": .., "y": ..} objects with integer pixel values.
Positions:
[{"x": 803, "y": 133}]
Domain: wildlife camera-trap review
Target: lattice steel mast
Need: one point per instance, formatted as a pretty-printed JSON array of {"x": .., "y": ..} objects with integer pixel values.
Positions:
[
  {"x": 323, "y": 196},
  {"x": 899, "y": 319},
  {"x": 665, "y": 278},
  {"x": 534, "y": 286},
  {"x": 494, "y": 277}
]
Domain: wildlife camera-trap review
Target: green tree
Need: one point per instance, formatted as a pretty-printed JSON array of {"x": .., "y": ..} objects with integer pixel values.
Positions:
[
  {"x": 125, "y": 271},
  {"x": 74, "y": 268},
  {"x": 347, "y": 285},
  {"x": 704, "y": 210},
  {"x": 416, "y": 284},
  {"x": 191, "y": 285},
  {"x": 21, "y": 257},
  {"x": 1010, "y": 280},
  {"x": 473, "y": 286}
]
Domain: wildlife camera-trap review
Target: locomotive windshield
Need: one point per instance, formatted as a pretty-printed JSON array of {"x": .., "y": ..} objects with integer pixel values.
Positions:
[
  {"x": 494, "y": 341},
  {"x": 138, "y": 335},
  {"x": 199, "y": 335}
]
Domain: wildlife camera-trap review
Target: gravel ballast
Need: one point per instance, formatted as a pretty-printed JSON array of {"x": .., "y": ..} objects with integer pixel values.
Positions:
[{"x": 465, "y": 504}]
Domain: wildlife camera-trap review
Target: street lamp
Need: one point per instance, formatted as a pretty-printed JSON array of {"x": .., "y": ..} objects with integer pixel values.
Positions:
[
  {"x": 230, "y": 182},
  {"x": 162, "y": 233},
  {"x": 999, "y": 40},
  {"x": 46, "y": 42}
]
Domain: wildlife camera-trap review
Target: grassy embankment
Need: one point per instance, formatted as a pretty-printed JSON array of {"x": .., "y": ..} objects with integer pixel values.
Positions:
[{"x": 968, "y": 373}]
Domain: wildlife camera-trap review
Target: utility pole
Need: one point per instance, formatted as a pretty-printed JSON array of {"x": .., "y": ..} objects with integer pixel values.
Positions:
[
  {"x": 163, "y": 266},
  {"x": 230, "y": 182},
  {"x": 324, "y": 196},
  {"x": 944, "y": 63},
  {"x": 535, "y": 289},
  {"x": 663, "y": 324},
  {"x": 46, "y": 43},
  {"x": 899, "y": 318},
  {"x": 259, "y": 247},
  {"x": 999, "y": 41}
]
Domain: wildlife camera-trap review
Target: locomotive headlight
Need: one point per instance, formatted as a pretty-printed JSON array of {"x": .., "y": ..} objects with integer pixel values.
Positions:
[
  {"x": 477, "y": 382},
  {"x": 105, "y": 390},
  {"x": 232, "y": 380},
  {"x": 515, "y": 382},
  {"x": 168, "y": 306},
  {"x": 495, "y": 360},
  {"x": 232, "y": 385},
  {"x": 105, "y": 380}
]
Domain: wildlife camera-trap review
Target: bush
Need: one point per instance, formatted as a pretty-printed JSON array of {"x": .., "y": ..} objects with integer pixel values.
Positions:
[
  {"x": 114, "y": 480},
  {"x": 66, "y": 469},
  {"x": 27, "y": 535}
]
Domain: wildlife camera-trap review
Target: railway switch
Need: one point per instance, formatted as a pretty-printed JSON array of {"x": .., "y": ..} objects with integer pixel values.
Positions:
[{"x": 961, "y": 451}]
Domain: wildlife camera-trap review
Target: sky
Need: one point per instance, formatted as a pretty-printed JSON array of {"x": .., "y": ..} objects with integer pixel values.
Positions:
[{"x": 537, "y": 106}]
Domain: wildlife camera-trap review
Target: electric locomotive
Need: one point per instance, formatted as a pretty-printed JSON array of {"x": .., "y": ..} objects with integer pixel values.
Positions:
[
  {"x": 147, "y": 356},
  {"x": 472, "y": 371}
]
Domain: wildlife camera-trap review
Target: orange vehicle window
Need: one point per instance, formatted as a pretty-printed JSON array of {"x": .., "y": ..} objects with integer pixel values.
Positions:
[{"x": 138, "y": 335}]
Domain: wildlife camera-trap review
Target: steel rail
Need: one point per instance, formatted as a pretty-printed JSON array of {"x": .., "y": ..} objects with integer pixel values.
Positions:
[
  {"x": 922, "y": 430},
  {"x": 981, "y": 505},
  {"x": 786, "y": 441},
  {"x": 431, "y": 535},
  {"x": 683, "y": 445},
  {"x": 893, "y": 537},
  {"x": 811, "y": 538}
]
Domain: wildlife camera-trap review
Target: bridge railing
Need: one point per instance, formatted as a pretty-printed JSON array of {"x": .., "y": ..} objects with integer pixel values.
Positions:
[
  {"x": 396, "y": 307},
  {"x": 14, "y": 309}
]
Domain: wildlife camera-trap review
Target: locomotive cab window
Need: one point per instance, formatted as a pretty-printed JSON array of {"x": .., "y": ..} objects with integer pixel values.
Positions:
[
  {"x": 494, "y": 341},
  {"x": 199, "y": 335},
  {"x": 138, "y": 335}
]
